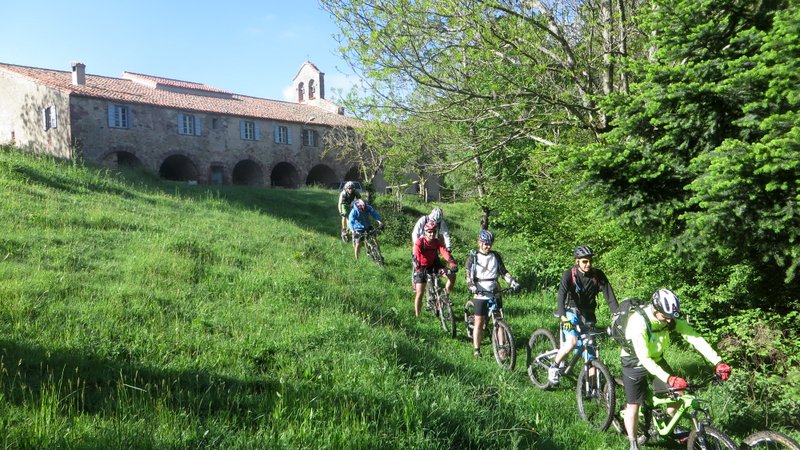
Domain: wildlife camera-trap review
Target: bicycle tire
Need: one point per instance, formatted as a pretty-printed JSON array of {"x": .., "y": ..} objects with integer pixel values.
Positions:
[
  {"x": 771, "y": 440},
  {"x": 505, "y": 354},
  {"x": 540, "y": 342},
  {"x": 469, "y": 318},
  {"x": 446, "y": 316},
  {"x": 714, "y": 440},
  {"x": 374, "y": 251},
  {"x": 596, "y": 403}
]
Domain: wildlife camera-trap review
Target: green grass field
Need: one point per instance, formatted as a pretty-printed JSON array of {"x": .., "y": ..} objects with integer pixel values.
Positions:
[{"x": 142, "y": 314}]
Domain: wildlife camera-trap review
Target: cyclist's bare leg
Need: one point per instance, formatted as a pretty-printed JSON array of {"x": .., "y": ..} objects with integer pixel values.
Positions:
[
  {"x": 632, "y": 422},
  {"x": 448, "y": 286},
  {"x": 477, "y": 331},
  {"x": 568, "y": 343},
  {"x": 419, "y": 290},
  {"x": 357, "y": 245}
]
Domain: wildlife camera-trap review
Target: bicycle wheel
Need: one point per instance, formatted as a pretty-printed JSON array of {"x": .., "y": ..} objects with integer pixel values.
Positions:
[
  {"x": 503, "y": 345},
  {"x": 542, "y": 349},
  {"x": 446, "y": 317},
  {"x": 469, "y": 318},
  {"x": 596, "y": 395},
  {"x": 374, "y": 251},
  {"x": 771, "y": 440},
  {"x": 714, "y": 440}
]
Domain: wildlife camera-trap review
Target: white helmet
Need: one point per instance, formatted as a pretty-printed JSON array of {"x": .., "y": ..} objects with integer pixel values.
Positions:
[
  {"x": 667, "y": 303},
  {"x": 349, "y": 185},
  {"x": 435, "y": 215}
]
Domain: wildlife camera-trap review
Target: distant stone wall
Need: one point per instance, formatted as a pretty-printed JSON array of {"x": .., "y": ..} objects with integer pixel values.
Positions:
[{"x": 22, "y": 105}]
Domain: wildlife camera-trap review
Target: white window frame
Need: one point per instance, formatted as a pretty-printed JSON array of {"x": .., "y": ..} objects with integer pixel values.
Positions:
[
  {"x": 282, "y": 135},
  {"x": 189, "y": 124},
  {"x": 310, "y": 138},
  {"x": 249, "y": 130},
  {"x": 119, "y": 116},
  {"x": 49, "y": 117}
]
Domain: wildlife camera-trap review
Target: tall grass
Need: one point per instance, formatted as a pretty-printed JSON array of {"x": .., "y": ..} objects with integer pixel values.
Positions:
[{"x": 141, "y": 314}]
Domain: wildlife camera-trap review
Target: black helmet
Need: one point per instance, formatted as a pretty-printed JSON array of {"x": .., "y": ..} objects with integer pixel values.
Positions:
[{"x": 583, "y": 251}]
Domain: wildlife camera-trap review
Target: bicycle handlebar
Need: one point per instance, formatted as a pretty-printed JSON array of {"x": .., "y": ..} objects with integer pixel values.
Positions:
[{"x": 693, "y": 387}]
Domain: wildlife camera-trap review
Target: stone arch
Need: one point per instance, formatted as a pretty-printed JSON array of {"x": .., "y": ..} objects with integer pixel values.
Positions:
[
  {"x": 321, "y": 175},
  {"x": 354, "y": 174},
  {"x": 300, "y": 92},
  {"x": 121, "y": 159},
  {"x": 248, "y": 173},
  {"x": 285, "y": 175},
  {"x": 178, "y": 168}
]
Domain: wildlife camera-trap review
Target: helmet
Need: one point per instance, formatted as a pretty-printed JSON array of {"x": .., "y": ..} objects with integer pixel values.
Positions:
[
  {"x": 667, "y": 303},
  {"x": 486, "y": 237},
  {"x": 435, "y": 215},
  {"x": 349, "y": 185},
  {"x": 360, "y": 204},
  {"x": 583, "y": 251},
  {"x": 430, "y": 225}
]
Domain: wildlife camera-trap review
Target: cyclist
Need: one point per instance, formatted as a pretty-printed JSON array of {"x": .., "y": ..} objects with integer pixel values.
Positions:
[
  {"x": 346, "y": 198},
  {"x": 425, "y": 259},
  {"x": 437, "y": 217},
  {"x": 577, "y": 301},
  {"x": 649, "y": 336},
  {"x": 483, "y": 268},
  {"x": 360, "y": 223}
]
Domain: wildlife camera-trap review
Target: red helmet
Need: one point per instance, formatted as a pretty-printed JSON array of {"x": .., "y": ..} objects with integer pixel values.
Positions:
[{"x": 430, "y": 225}]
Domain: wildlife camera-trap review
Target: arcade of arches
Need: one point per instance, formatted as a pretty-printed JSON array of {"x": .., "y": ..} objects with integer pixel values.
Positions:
[{"x": 246, "y": 172}]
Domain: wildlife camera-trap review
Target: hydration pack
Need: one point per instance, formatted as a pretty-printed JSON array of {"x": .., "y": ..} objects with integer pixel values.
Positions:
[{"x": 619, "y": 320}]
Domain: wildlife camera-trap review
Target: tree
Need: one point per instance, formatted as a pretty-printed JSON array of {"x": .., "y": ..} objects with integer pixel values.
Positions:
[{"x": 705, "y": 145}]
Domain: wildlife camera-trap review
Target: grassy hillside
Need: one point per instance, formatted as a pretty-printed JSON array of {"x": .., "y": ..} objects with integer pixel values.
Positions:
[{"x": 141, "y": 314}]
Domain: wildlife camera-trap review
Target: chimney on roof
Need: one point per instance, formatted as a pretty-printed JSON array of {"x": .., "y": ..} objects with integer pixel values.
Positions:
[{"x": 78, "y": 73}]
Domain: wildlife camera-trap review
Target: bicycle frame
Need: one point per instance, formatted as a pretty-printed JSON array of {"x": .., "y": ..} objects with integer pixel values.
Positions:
[
  {"x": 687, "y": 403},
  {"x": 586, "y": 342}
]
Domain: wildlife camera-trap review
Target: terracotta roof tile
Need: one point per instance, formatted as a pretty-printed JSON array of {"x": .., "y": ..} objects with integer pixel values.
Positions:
[{"x": 183, "y": 95}]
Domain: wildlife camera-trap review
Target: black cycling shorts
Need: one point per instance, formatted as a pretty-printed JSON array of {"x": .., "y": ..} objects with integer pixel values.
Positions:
[
  {"x": 634, "y": 379},
  {"x": 482, "y": 306}
]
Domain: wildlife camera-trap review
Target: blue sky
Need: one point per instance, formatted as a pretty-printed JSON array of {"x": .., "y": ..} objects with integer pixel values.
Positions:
[{"x": 244, "y": 46}]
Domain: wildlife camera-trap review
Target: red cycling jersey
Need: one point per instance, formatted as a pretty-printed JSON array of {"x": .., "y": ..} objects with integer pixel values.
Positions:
[{"x": 425, "y": 252}]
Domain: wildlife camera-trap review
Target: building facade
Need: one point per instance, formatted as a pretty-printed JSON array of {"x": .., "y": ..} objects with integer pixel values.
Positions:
[{"x": 181, "y": 130}]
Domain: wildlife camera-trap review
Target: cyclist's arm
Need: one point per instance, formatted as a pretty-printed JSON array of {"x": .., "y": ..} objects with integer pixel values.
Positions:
[
  {"x": 445, "y": 233},
  {"x": 608, "y": 293},
  {"x": 561, "y": 297},
  {"x": 374, "y": 213},
  {"x": 446, "y": 255},
  {"x": 501, "y": 269},
  {"x": 416, "y": 232},
  {"x": 698, "y": 342},
  {"x": 636, "y": 332}
]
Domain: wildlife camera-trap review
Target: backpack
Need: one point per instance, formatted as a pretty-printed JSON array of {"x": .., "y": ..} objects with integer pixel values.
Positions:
[
  {"x": 619, "y": 320},
  {"x": 578, "y": 286}
]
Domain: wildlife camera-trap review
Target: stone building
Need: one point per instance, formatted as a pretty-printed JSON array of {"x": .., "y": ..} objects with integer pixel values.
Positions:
[{"x": 181, "y": 130}]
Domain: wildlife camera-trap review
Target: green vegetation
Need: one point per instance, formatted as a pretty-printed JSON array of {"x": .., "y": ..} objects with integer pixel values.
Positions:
[{"x": 142, "y": 314}]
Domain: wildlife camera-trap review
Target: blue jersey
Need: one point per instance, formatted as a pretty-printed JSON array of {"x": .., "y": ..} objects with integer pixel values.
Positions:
[{"x": 360, "y": 221}]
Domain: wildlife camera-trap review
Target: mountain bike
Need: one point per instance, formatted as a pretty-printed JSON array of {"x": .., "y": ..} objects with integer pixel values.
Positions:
[
  {"x": 595, "y": 386},
  {"x": 439, "y": 302},
  {"x": 503, "y": 346},
  {"x": 654, "y": 420},
  {"x": 769, "y": 440},
  {"x": 371, "y": 243}
]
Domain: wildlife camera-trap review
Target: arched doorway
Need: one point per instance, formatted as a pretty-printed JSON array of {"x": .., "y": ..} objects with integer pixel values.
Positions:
[
  {"x": 121, "y": 160},
  {"x": 178, "y": 168},
  {"x": 285, "y": 175},
  {"x": 248, "y": 173},
  {"x": 321, "y": 175},
  {"x": 354, "y": 174}
]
